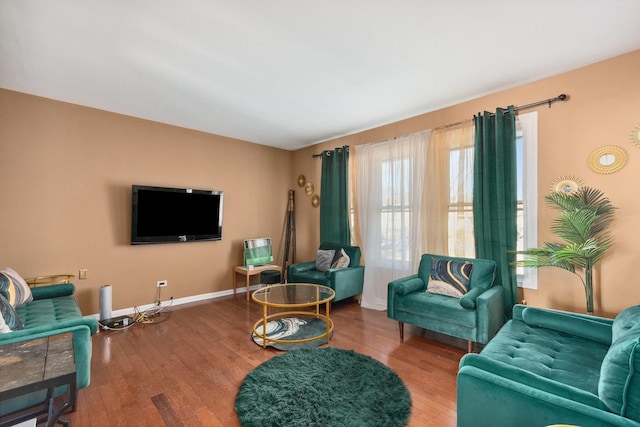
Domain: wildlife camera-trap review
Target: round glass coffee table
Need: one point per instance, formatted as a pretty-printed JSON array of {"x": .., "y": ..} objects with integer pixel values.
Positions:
[{"x": 293, "y": 298}]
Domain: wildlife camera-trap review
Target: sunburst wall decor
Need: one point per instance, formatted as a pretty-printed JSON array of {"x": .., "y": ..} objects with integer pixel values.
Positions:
[
  {"x": 635, "y": 136},
  {"x": 608, "y": 159},
  {"x": 567, "y": 184}
]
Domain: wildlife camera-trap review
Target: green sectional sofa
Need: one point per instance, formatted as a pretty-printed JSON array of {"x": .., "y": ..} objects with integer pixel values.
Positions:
[
  {"x": 53, "y": 311},
  {"x": 549, "y": 367}
]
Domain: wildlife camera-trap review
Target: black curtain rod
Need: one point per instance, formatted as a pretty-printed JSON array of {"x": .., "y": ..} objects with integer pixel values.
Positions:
[
  {"x": 320, "y": 155},
  {"x": 561, "y": 97}
]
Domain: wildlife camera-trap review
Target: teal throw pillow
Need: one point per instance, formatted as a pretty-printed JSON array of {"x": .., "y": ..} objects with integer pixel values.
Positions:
[
  {"x": 619, "y": 384},
  {"x": 627, "y": 319},
  {"x": 449, "y": 277}
]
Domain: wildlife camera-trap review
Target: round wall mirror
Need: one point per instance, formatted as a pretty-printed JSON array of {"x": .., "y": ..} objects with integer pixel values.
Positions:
[
  {"x": 608, "y": 159},
  {"x": 309, "y": 188}
]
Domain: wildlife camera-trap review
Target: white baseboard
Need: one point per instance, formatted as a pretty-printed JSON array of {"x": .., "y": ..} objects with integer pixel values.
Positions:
[{"x": 178, "y": 301}]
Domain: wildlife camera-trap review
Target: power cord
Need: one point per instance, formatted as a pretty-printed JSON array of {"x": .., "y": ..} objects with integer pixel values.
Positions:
[{"x": 144, "y": 316}]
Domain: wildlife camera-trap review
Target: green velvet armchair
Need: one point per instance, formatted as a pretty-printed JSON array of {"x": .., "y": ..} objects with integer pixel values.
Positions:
[
  {"x": 475, "y": 317},
  {"x": 346, "y": 282}
]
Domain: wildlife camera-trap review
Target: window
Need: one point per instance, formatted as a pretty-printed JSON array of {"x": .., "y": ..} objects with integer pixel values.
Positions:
[
  {"x": 527, "y": 215},
  {"x": 396, "y": 209},
  {"x": 460, "y": 200},
  {"x": 460, "y": 207}
]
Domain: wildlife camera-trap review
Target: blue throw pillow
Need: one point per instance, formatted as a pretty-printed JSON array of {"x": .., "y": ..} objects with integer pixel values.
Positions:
[{"x": 449, "y": 277}]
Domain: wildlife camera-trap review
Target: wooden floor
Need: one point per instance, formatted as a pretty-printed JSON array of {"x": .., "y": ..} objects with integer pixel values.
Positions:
[{"x": 186, "y": 369}]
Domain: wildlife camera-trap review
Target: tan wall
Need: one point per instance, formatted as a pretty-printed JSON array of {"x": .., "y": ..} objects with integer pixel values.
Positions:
[
  {"x": 66, "y": 174},
  {"x": 604, "y": 106}
]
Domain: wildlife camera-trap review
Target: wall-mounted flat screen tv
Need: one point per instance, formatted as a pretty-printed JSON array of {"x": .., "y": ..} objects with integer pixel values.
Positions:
[
  {"x": 171, "y": 215},
  {"x": 258, "y": 251}
]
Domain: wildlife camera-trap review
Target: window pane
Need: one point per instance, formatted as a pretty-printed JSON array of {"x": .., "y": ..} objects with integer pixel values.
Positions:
[{"x": 395, "y": 215}]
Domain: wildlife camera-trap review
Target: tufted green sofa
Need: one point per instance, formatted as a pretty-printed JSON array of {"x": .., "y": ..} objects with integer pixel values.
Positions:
[
  {"x": 549, "y": 367},
  {"x": 53, "y": 311}
]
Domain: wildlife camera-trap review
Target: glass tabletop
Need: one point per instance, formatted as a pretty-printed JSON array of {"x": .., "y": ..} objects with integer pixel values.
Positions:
[{"x": 293, "y": 294}]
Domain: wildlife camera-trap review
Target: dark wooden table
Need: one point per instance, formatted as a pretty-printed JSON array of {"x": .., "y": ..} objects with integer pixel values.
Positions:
[{"x": 36, "y": 365}]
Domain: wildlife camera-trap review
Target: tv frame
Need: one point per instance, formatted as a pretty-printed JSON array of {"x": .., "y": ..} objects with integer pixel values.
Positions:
[{"x": 136, "y": 239}]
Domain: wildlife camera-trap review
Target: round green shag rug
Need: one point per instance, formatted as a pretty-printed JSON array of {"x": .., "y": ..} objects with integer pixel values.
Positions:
[{"x": 323, "y": 387}]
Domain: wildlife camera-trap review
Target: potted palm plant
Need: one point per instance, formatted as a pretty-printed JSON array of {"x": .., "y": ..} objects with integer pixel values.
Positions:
[{"x": 583, "y": 226}]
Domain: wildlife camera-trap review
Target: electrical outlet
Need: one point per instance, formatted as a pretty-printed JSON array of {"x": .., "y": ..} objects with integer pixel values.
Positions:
[
  {"x": 82, "y": 274},
  {"x": 162, "y": 283}
]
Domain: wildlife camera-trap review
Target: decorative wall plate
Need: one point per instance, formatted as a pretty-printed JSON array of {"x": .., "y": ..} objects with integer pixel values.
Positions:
[
  {"x": 608, "y": 159},
  {"x": 308, "y": 188},
  {"x": 302, "y": 181},
  {"x": 315, "y": 201},
  {"x": 635, "y": 136},
  {"x": 566, "y": 184}
]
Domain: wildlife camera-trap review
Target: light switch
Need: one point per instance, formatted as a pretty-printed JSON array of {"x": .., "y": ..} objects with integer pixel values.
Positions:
[{"x": 83, "y": 274}]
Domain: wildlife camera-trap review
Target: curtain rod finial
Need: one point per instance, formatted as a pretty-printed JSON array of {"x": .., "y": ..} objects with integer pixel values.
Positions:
[{"x": 562, "y": 97}]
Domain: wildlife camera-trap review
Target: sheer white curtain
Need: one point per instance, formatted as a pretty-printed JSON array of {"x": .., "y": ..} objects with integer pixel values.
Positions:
[{"x": 390, "y": 177}]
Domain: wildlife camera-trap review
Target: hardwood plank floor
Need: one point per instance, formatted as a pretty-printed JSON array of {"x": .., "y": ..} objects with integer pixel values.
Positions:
[{"x": 186, "y": 369}]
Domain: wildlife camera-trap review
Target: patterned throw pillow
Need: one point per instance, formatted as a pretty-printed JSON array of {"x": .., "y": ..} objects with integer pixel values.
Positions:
[
  {"x": 324, "y": 258},
  {"x": 340, "y": 260},
  {"x": 4, "y": 328},
  {"x": 449, "y": 277},
  {"x": 9, "y": 316},
  {"x": 14, "y": 288}
]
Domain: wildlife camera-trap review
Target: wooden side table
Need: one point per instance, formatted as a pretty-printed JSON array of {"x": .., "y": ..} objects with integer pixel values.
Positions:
[
  {"x": 241, "y": 269},
  {"x": 37, "y": 365}
]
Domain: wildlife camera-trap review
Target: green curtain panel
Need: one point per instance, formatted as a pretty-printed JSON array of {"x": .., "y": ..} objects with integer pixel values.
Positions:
[
  {"x": 495, "y": 197},
  {"x": 334, "y": 201}
]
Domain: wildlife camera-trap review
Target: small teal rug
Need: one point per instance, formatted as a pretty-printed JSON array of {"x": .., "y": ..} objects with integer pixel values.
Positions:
[
  {"x": 323, "y": 386},
  {"x": 294, "y": 328}
]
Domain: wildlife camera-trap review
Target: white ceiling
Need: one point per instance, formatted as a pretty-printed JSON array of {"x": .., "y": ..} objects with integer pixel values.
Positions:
[{"x": 290, "y": 73}]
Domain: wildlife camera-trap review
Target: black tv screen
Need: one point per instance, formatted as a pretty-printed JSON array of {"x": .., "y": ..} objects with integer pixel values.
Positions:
[{"x": 169, "y": 215}]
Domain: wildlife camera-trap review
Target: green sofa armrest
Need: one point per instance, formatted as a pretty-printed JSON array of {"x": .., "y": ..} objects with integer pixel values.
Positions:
[
  {"x": 407, "y": 285},
  {"x": 532, "y": 380},
  {"x": 53, "y": 291},
  {"x": 490, "y": 307},
  {"x": 489, "y": 399},
  {"x": 302, "y": 267},
  {"x": 48, "y": 330},
  {"x": 350, "y": 274},
  {"x": 401, "y": 287},
  {"x": 591, "y": 328},
  {"x": 346, "y": 281},
  {"x": 81, "y": 344}
]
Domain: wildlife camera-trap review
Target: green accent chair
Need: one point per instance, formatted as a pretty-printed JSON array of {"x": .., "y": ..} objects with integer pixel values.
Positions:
[
  {"x": 346, "y": 282},
  {"x": 53, "y": 311},
  {"x": 549, "y": 367},
  {"x": 476, "y": 317}
]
